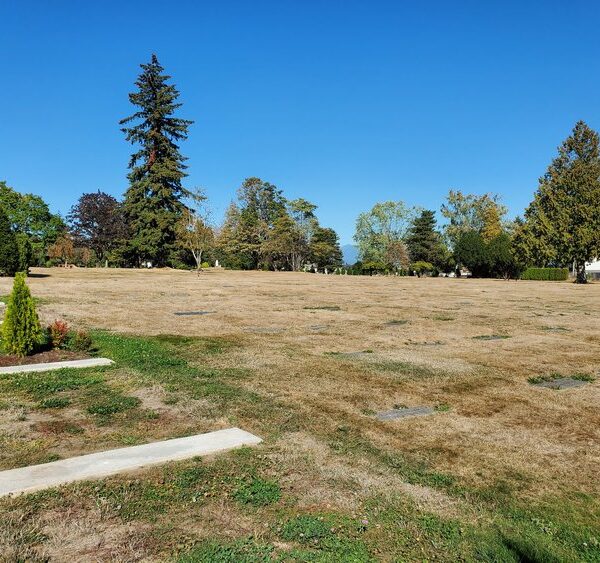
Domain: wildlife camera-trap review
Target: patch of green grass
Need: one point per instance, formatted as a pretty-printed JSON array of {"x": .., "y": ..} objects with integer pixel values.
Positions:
[
  {"x": 240, "y": 551},
  {"x": 39, "y": 385},
  {"x": 113, "y": 404},
  {"x": 54, "y": 403},
  {"x": 442, "y": 407},
  {"x": 257, "y": 492},
  {"x": 323, "y": 308}
]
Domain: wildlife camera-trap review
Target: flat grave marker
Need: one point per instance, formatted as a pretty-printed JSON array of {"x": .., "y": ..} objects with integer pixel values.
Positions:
[
  {"x": 394, "y": 414},
  {"x": 561, "y": 383},
  {"x": 192, "y": 313}
]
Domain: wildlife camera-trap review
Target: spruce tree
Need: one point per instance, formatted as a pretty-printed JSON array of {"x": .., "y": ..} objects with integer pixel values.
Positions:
[
  {"x": 153, "y": 202},
  {"x": 424, "y": 242},
  {"x": 9, "y": 254},
  {"x": 21, "y": 329}
]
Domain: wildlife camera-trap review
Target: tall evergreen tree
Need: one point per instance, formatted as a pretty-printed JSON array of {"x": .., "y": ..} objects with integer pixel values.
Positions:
[
  {"x": 8, "y": 247},
  {"x": 424, "y": 242},
  {"x": 563, "y": 220},
  {"x": 153, "y": 202}
]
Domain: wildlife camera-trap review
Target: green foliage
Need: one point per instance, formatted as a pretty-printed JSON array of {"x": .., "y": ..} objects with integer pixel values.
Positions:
[
  {"x": 257, "y": 492},
  {"x": 55, "y": 403},
  {"x": 562, "y": 223},
  {"x": 8, "y": 247},
  {"x": 422, "y": 268},
  {"x": 325, "y": 251},
  {"x": 495, "y": 258},
  {"x": 386, "y": 223},
  {"x": 469, "y": 212},
  {"x": 40, "y": 385},
  {"x": 546, "y": 274},
  {"x": 80, "y": 341},
  {"x": 424, "y": 243},
  {"x": 30, "y": 215},
  {"x": 153, "y": 202},
  {"x": 21, "y": 330},
  {"x": 24, "y": 252}
]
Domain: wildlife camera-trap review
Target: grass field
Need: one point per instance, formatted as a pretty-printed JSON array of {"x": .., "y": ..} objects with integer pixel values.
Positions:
[{"x": 503, "y": 471}]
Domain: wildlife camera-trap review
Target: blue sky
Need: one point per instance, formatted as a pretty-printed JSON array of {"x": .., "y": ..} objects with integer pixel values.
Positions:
[{"x": 344, "y": 103}]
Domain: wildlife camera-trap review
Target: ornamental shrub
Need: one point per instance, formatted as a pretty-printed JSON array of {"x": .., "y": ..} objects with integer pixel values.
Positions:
[
  {"x": 21, "y": 329},
  {"x": 58, "y": 333},
  {"x": 546, "y": 274}
]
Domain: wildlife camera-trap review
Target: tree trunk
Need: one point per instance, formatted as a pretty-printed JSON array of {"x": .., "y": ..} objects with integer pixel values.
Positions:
[{"x": 580, "y": 273}]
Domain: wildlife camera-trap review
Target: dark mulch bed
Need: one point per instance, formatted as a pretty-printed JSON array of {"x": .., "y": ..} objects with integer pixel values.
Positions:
[{"x": 42, "y": 358}]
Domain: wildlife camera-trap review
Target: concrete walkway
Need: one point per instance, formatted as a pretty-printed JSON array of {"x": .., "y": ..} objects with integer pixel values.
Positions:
[
  {"x": 103, "y": 464},
  {"x": 89, "y": 363}
]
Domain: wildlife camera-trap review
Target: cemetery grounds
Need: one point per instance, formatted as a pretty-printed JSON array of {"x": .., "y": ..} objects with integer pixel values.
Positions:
[{"x": 501, "y": 470}]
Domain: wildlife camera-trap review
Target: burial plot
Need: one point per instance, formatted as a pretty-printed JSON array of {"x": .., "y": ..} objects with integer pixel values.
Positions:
[
  {"x": 394, "y": 414},
  {"x": 560, "y": 383}
]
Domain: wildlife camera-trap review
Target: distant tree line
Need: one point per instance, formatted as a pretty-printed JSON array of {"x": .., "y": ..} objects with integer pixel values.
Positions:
[{"x": 161, "y": 223}]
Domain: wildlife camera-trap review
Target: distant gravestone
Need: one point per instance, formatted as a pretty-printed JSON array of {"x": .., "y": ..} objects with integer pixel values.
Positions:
[
  {"x": 561, "y": 383},
  {"x": 394, "y": 414}
]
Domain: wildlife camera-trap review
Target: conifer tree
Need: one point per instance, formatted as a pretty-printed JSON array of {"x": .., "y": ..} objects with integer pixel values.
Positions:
[
  {"x": 563, "y": 220},
  {"x": 21, "y": 329},
  {"x": 424, "y": 242},
  {"x": 9, "y": 254},
  {"x": 153, "y": 202}
]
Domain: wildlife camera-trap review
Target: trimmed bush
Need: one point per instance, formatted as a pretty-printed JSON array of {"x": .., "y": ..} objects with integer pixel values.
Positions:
[
  {"x": 546, "y": 274},
  {"x": 21, "y": 329}
]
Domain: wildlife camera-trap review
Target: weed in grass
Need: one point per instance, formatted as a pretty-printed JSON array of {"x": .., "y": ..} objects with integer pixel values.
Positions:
[
  {"x": 442, "y": 407},
  {"x": 113, "y": 404},
  {"x": 257, "y": 492},
  {"x": 54, "y": 403}
]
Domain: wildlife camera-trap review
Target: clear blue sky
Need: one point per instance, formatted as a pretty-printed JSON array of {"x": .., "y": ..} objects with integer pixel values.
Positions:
[{"x": 344, "y": 103}]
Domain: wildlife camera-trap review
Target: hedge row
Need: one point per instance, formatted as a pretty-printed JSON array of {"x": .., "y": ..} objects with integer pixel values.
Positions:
[{"x": 546, "y": 274}]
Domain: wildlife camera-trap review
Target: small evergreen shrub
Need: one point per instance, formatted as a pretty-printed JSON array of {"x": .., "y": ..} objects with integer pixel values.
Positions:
[
  {"x": 21, "y": 329},
  {"x": 545, "y": 274},
  {"x": 58, "y": 333}
]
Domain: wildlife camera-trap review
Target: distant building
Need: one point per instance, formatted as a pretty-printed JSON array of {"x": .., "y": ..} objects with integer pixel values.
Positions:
[{"x": 593, "y": 269}]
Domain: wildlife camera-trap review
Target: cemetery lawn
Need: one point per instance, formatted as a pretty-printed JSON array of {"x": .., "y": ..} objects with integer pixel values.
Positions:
[{"x": 503, "y": 470}]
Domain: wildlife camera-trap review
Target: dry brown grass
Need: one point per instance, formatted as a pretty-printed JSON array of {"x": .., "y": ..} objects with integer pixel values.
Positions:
[
  {"x": 498, "y": 426},
  {"x": 498, "y": 423}
]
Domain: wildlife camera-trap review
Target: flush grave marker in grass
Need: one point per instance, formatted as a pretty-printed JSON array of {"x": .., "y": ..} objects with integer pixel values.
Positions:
[
  {"x": 558, "y": 382},
  {"x": 394, "y": 414},
  {"x": 27, "y": 368},
  {"x": 111, "y": 462},
  {"x": 192, "y": 313},
  {"x": 491, "y": 337}
]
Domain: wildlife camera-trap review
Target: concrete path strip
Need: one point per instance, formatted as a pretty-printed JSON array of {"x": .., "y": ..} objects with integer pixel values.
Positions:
[
  {"x": 111, "y": 462},
  {"x": 89, "y": 363}
]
